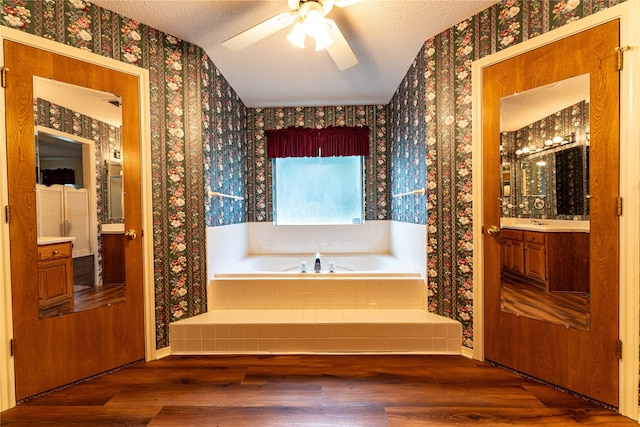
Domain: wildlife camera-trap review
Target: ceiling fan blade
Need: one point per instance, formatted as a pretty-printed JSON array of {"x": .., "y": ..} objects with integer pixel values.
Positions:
[
  {"x": 345, "y": 3},
  {"x": 340, "y": 50},
  {"x": 260, "y": 31}
]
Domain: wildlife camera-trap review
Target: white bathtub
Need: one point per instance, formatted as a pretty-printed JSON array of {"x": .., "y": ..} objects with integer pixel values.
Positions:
[{"x": 288, "y": 265}]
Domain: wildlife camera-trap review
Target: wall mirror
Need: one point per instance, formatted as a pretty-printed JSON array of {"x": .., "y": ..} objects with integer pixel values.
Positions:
[
  {"x": 79, "y": 197},
  {"x": 544, "y": 202}
]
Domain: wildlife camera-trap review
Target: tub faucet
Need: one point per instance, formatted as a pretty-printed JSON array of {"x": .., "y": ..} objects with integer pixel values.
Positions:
[{"x": 317, "y": 265}]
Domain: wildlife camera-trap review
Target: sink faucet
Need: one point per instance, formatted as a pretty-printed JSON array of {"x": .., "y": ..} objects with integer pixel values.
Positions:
[
  {"x": 537, "y": 222},
  {"x": 317, "y": 265}
]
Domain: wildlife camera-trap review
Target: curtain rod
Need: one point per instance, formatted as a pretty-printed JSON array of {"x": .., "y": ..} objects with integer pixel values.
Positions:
[
  {"x": 419, "y": 191},
  {"x": 229, "y": 196}
]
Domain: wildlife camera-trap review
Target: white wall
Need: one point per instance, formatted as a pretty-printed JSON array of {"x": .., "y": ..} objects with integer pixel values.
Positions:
[
  {"x": 408, "y": 243},
  {"x": 370, "y": 237},
  {"x": 229, "y": 244},
  {"x": 226, "y": 245}
]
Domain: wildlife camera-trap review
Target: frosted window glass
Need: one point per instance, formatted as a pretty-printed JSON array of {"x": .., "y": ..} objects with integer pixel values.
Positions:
[{"x": 318, "y": 190}]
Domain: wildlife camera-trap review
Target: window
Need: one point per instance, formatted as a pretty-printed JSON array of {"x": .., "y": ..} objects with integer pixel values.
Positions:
[{"x": 318, "y": 190}]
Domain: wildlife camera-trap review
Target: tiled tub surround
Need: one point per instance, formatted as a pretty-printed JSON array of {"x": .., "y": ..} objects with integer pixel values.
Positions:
[
  {"x": 372, "y": 312},
  {"x": 336, "y": 265},
  {"x": 318, "y": 314},
  {"x": 231, "y": 243}
]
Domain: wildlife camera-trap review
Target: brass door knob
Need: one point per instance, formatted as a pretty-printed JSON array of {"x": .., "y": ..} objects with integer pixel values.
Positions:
[
  {"x": 131, "y": 234},
  {"x": 493, "y": 230}
]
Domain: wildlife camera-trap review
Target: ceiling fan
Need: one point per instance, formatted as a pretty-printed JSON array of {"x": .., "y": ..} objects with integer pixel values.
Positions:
[{"x": 308, "y": 17}]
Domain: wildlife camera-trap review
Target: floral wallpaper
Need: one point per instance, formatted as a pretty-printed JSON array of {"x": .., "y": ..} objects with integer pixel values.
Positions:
[
  {"x": 407, "y": 148},
  {"x": 198, "y": 127},
  {"x": 441, "y": 86},
  {"x": 225, "y": 146},
  {"x": 259, "y": 185}
]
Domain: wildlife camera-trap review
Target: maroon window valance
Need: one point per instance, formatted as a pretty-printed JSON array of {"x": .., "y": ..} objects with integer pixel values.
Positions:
[{"x": 309, "y": 142}]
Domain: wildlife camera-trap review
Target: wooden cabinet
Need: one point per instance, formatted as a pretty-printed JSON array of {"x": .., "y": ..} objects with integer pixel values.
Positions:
[
  {"x": 512, "y": 253},
  {"x": 534, "y": 256},
  {"x": 556, "y": 261},
  {"x": 55, "y": 275},
  {"x": 112, "y": 258}
]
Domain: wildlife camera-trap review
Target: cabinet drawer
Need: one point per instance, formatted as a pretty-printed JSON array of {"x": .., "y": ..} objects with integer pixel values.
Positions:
[
  {"x": 534, "y": 237},
  {"x": 55, "y": 250},
  {"x": 507, "y": 233}
]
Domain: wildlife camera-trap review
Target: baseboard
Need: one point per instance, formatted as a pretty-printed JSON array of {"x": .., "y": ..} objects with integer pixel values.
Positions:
[
  {"x": 466, "y": 352},
  {"x": 163, "y": 352}
]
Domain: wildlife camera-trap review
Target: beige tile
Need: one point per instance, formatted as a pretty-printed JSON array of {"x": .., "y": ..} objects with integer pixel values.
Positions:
[
  {"x": 454, "y": 344},
  {"x": 279, "y": 330},
  {"x": 236, "y": 344},
  {"x": 440, "y": 330},
  {"x": 410, "y": 330},
  {"x": 265, "y": 344},
  {"x": 193, "y": 332},
  {"x": 208, "y": 331},
  {"x": 294, "y": 330},
  {"x": 193, "y": 344},
  {"x": 208, "y": 344},
  {"x": 264, "y": 331},
  {"x": 177, "y": 331},
  {"x": 439, "y": 344},
  {"x": 424, "y": 344},
  {"x": 178, "y": 344},
  {"x": 280, "y": 344},
  {"x": 250, "y": 330},
  {"x": 425, "y": 330},
  {"x": 222, "y": 331}
]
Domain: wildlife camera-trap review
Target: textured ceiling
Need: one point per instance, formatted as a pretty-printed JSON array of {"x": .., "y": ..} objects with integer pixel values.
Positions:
[{"x": 385, "y": 35}]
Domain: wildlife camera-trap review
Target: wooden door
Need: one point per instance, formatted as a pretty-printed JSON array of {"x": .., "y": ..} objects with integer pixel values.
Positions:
[
  {"x": 51, "y": 352},
  {"x": 585, "y": 361}
]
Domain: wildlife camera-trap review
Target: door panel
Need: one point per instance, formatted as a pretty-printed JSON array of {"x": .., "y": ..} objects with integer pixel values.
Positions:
[
  {"x": 585, "y": 361},
  {"x": 51, "y": 352}
]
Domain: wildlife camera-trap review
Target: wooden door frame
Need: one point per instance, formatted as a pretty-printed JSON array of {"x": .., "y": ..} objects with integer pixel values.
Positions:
[
  {"x": 629, "y": 268},
  {"x": 7, "y": 374}
]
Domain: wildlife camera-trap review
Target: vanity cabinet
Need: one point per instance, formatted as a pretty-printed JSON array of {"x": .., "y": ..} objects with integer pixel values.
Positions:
[
  {"x": 534, "y": 256},
  {"x": 555, "y": 261},
  {"x": 512, "y": 253},
  {"x": 55, "y": 275}
]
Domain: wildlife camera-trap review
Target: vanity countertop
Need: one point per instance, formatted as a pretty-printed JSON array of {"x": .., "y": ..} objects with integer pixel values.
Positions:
[
  {"x": 52, "y": 240},
  {"x": 549, "y": 226}
]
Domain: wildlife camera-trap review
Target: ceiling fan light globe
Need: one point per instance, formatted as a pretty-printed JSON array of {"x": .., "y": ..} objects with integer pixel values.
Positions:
[
  {"x": 314, "y": 23},
  {"x": 323, "y": 41},
  {"x": 297, "y": 35}
]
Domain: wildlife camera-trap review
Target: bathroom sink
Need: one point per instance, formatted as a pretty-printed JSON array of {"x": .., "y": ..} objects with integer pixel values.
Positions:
[{"x": 550, "y": 226}]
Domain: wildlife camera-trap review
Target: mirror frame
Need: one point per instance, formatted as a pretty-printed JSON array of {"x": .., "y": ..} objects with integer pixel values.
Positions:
[
  {"x": 629, "y": 268},
  {"x": 7, "y": 377}
]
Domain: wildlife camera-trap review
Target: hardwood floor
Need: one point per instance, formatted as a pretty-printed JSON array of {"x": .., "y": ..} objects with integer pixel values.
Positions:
[{"x": 311, "y": 390}]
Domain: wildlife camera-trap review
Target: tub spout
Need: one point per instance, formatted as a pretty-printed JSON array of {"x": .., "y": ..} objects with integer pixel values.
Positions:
[{"x": 317, "y": 265}]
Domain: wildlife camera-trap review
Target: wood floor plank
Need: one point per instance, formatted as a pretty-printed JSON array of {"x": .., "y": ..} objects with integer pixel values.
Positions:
[
  {"x": 173, "y": 416},
  {"x": 222, "y": 395},
  {"x": 496, "y": 416},
  {"x": 427, "y": 395},
  {"x": 311, "y": 391},
  {"x": 89, "y": 416}
]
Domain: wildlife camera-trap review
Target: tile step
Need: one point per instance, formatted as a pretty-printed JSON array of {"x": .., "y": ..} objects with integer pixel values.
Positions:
[{"x": 316, "y": 331}]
